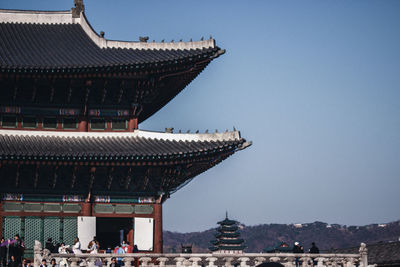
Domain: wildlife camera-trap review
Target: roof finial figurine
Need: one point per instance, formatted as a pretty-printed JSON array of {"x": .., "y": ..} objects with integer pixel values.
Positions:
[
  {"x": 143, "y": 39},
  {"x": 79, "y": 7},
  {"x": 226, "y": 215}
]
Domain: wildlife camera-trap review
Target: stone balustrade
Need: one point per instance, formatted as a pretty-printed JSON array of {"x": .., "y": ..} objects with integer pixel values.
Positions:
[{"x": 206, "y": 259}]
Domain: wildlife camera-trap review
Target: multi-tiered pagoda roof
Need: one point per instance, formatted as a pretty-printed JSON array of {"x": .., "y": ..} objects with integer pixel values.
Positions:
[{"x": 228, "y": 238}]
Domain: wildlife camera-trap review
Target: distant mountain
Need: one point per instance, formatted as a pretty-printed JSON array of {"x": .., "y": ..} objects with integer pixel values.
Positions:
[{"x": 326, "y": 236}]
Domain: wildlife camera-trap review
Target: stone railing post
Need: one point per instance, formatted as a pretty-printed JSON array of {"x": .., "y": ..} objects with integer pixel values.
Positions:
[
  {"x": 127, "y": 261},
  {"x": 37, "y": 254},
  {"x": 195, "y": 261},
  {"x": 275, "y": 259},
  {"x": 364, "y": 255},
  {"x": 74, "y": 262},
  {"x": 162, "y": 261},
  {"x": 304, "y": 261},
  {"x": 144, "y": 261},
  {"x": 228, "y": 261},
  {"x": 179, "y": 261},
  {"x": 259, "y": 260},
  {"x": 91, "y": 262},
  {"x": 243, "y": 261},
  {"x": 289, "y": 261},
  {"x": 320, "y": 261},
  {"x": 211, "y": 261}
]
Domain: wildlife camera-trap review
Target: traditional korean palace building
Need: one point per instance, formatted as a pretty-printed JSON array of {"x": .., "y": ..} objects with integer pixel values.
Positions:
[{"x": 72, "y": 159}]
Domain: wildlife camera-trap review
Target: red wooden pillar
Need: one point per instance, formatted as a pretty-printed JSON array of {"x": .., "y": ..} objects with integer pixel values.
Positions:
[
  {"x": 83, "y": 125},
  {"x": 86, "y": 209},
  {"x": 158, "y": 232},
  {"x": 132, "y": 124}
]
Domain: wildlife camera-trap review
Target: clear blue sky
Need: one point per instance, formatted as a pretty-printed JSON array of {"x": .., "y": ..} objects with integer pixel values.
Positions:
[{"x": 314, "y": 84}]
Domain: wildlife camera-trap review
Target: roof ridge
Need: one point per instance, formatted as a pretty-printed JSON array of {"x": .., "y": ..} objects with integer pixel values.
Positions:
[
  {"x": 185, "y": 137},
  {"x": 68, "y": 17}
]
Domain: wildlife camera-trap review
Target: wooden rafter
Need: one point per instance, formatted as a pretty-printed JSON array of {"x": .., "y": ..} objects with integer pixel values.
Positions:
[
  {"x": 17, "y": 176},
  {"x": 110, "y": 178},
  {"x": 92, "y": 177},
  {"x": 34, "y": 90},
  {"x": 121, "y": 91},
  {"x": 103, "y": 98},
  {"x": 73, "y": 180},
  {"x": 55, "y": 176},
  {"x": 69, "y": 97},
  {"x": 36, "y": 178},
  {"x": 128, "y": 178}
]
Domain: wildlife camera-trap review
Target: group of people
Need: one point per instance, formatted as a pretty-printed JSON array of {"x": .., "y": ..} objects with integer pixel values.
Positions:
[
  {"x": 92, "y": 248},
  {"x": 11, "y": 252},
  {"x": 300, "y": 249}
]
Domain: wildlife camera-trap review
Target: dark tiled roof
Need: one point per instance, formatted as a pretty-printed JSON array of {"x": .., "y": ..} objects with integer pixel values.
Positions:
[
  {"x": 67, "y": 46},
  {"x": 382, "y": 254},
  {"x": 218, "y": 235},
  {"x": 227, "y": 222},
  {"x": 106, "y": 148}
]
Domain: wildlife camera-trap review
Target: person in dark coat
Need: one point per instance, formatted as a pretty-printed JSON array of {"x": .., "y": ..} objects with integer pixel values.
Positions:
[
  {"x": 114, "y": 262},
  {"x": 16, "y": 249},
  {"x": 3, "y": 252},
  {"x": 297, "y": 249},
  {"x": 314, "y": 250},
  {"x": 12, "y": 262},
  {"x": 43, "y": 263}
]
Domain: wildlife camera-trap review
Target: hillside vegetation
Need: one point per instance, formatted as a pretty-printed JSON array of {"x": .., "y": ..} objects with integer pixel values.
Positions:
[{"x": 262, "y": 236}]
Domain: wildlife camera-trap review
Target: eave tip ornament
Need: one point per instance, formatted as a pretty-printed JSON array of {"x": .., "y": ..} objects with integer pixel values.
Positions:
[{"x": 79, "y": 7}]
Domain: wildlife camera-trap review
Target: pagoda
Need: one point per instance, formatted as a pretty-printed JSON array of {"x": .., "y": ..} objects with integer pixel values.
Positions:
[
  {"x": 228, "y": 238},
  {"x": 72, "y": 159}
]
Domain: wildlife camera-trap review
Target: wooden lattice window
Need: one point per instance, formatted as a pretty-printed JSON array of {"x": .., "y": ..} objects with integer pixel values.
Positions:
[
  {"x": 70, "y": 123},
  {"x": 98, "y": 124},
  {"x": 29, "y": 122},
  {"x": 50, "y": 123},
  {"x": 9, "y": 121},
  {"x": 118, "y": 124}
]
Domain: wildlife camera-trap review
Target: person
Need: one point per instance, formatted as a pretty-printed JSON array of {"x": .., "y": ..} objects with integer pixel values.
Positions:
[
  {"x": 50, "y": 245},
  {"x": 76, "y": 249},
  {"x": 114, "y": 262},
  {"x": 24, "y": 263},
  {"x": 63, "y": 249},
  {"x": 3, "y": 252},
  {"x": 297, "y": 249},
  {"x": 92, "y": 246},
  {"x": 12, "y": 262},
  {"x": 314, "y": 250},
  {"x": 53, "y": 263},
  {"x": 120, "y": 250},
  {"x": 16, "y": 249},
  {"x": 43, "y": 263},
  {"x": 135, "y": 250}
]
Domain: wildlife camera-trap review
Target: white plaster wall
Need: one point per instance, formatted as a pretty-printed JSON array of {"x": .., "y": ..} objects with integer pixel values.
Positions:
[
  {"x": 86, "y": 230},
  {"x": 143, "y": 234}
]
